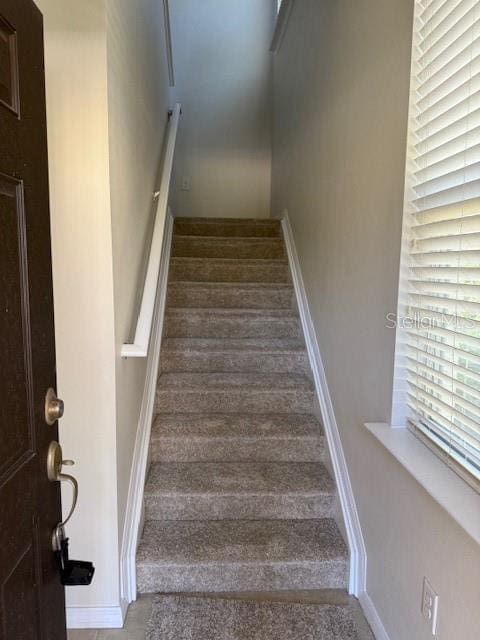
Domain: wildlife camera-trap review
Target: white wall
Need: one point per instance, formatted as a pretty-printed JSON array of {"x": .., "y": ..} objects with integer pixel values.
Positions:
[
  {"x": 340, "y": 100},
  {"x": 76, "y": 77},
  {"x": 107, "y": 103},
  {"x": 138, "y": 103},
  {"x": 223, "y": 81}
]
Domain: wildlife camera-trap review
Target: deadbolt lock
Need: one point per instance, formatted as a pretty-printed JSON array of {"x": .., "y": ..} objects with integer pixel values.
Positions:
[{"x": 54, "y": 407}]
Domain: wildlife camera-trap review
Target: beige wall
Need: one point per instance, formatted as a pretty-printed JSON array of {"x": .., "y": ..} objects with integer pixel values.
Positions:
[
  {"x": 107, "y": 102},
  {"x": 223, "y": 81},
  {"x": 340, "y": 101},
  {"x": 138, "y": 103},
  {"x": 76, "y": 74}
]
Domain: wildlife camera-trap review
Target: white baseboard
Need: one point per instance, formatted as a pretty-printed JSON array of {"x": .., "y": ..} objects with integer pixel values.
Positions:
[
  {"x": 97, "y": 617},
  {"x": 358, "y": 554},
  {"x": 134, "y": 509},
  {"x": 372, "y": 617}
]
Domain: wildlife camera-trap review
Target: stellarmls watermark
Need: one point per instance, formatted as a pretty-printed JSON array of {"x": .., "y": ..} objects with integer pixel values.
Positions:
[{"x": 422, "y": 321}]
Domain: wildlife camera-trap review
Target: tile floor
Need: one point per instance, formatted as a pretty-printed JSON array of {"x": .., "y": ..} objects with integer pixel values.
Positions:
[
  {"x": 139, "y": 613},
  {"x": 135, "y": 623}
]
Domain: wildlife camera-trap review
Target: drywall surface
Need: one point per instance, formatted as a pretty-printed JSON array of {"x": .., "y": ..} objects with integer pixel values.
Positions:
[
  {"x": 107, "y": 104},
  {"x": 76, "y": 80},
  {"x": 341, "y": 84},
  {"x": 138, "y": 103},
  {"x": 223, "y": 81}
]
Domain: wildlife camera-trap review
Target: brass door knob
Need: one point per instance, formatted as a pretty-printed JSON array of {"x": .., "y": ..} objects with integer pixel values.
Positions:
[{"x": 54, "y": 407}]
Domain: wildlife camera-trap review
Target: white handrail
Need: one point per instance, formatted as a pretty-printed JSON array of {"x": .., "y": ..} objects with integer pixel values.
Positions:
[{"x": 139, "y": 348}]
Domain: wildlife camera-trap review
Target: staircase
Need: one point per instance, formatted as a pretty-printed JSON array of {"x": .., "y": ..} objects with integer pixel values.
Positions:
[{"x": 237, "y": 497}]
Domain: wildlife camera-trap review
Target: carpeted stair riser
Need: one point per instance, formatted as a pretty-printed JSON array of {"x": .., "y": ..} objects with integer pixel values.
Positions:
[
  {"x": 227, "y": 228},
  {"x": 223, "y": 437},
  {"x": 234, "y": 400},
  {"x": 240, "y": 248},
  {"x": 205, "y": 449},
  {"x": 230, "y": 296},
  {"x": 240, "y": 555},
  {"x": 258, "y": 576},
  {"x": 237, "y": 508},
  {"x": 227, "y": 270},
  {"x": 228, "y": 361},
  {"x": 203, "y": 323},
  {"x": 238, "y": 490}
]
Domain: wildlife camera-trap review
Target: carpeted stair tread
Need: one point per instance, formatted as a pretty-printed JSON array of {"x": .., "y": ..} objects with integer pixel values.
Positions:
[
  {"x": 231, "y": 286},
  {"x": 218, "y": 247},
  {"x": 226, "y": 381},
  {"x": 213, "y": 437},
  {"x": 238, "y": 490},
  {"x": 234, "y": 361},
  {"x": 220, "y": 220},
  {"x": 203, "y": 355},
  {"x": 236, "y": 555},
  {"x": 229, "y": 262},
  {"x": 232, "y": 478},
  {"x": 268, "y": 315},
  {"x": 234, "y": 392},
  {"x": 260, "y": 345},
  {"x": 226, "y": 227},
  {"x": 215, "y": 220},
  {"x": 231, "y": 323},
  {"x": 228, "y": 270},
  {"x": 179, "y": 617},
  {"x": 225, "y": 425},
  {"x": 247, "y": 542},
  {"x": 230, "y": 295}
]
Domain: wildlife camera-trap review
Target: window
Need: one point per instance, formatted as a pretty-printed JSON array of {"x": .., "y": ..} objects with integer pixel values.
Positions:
[{"x": 438, "y": 335}]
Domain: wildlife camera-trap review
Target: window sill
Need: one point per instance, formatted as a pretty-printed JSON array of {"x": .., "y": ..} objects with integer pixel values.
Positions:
[{"x": 459, "y": 500}]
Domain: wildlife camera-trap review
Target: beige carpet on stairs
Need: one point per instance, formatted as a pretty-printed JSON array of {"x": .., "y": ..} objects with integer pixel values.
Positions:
[
  {"x": 193, "y": 618},
  {"x": 238, "y": 496}
]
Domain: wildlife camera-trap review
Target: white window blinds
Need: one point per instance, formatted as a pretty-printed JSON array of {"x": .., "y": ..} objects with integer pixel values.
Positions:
[{"x": 440, "y": 286}]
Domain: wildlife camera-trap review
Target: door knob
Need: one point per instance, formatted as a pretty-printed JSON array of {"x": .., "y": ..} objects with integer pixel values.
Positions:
[{"x": 54, "y": 407}]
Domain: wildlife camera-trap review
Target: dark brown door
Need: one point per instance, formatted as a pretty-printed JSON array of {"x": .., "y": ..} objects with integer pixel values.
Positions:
[{"x": 31, "y": 596}]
